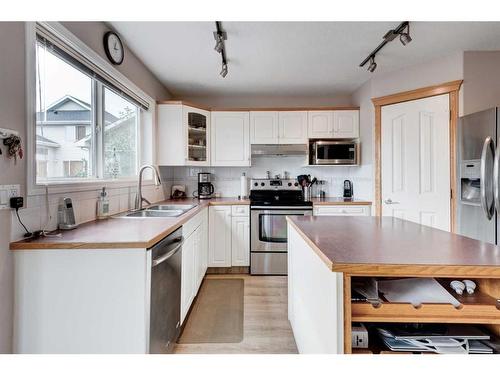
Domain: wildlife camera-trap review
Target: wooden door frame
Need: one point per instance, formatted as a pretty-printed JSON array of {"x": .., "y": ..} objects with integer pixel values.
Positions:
[{"x": 452, "y": 88}]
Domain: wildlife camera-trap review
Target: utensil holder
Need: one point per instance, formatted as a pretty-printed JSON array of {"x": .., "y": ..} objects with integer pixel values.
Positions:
[{"x": 307, "y": 193}]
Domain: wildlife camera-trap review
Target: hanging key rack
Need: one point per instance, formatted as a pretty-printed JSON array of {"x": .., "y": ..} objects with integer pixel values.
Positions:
[{"x": 5, "y": 133}]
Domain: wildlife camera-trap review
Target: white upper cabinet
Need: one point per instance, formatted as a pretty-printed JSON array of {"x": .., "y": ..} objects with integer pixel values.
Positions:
[
  {"x": 346, "y": 124},
  {"x": 320, "y": 124},
  {"x": 183, "y": 136},
  {"x": 230, "y": 139},
  {"x": 333, "y": 124},
  {"x": 292, "y": 127},
  {"x": 264, "y": 127}
]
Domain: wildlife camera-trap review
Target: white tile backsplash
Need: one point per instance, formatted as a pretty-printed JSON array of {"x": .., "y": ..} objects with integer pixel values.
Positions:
[
  {"x": 35, "y": 216},
  {"x": 227, "y": 179}
]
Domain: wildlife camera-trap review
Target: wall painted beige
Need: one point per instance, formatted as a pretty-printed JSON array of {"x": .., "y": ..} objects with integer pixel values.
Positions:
[
  {"x": 481, "y": 80},
  {"x": 12, "y": 115},
  {"x": 91, "y": 33}
]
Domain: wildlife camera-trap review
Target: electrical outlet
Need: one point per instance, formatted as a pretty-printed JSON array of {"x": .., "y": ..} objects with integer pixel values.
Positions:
[
  {"x": 193, "y": 172},
  {"x": 7, "y": 192}
]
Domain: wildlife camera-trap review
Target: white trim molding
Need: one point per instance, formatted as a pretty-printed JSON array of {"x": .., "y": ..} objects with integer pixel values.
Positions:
[{"x": 146, "y": 153}]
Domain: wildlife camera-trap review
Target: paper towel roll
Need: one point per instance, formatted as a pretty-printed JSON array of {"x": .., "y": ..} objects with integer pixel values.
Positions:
[{"x": 243, "y": 186}]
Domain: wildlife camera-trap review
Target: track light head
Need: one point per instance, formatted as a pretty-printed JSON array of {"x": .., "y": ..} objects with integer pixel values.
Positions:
[
  {"x": 219, "y": 45},
  {"x": 223, "y": 72},
  {"x": 373, "y": 65},
  {"x": 405, "y": 38}
]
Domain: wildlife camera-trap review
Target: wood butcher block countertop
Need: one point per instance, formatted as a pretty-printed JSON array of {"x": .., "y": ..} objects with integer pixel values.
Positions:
[
  {"x": 122, "y": 233},
  {"x": 385, "y": 246}
]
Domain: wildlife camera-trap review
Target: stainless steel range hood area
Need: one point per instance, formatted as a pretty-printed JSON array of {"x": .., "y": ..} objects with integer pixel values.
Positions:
[{"x": 279, "y": 150}]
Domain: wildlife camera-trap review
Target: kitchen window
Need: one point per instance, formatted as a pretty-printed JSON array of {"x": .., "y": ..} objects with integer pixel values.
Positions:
[{"x": 87, "y": 121}]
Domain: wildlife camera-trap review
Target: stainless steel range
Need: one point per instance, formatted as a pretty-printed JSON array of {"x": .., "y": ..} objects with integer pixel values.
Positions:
[{"x": 271, "y": 200}]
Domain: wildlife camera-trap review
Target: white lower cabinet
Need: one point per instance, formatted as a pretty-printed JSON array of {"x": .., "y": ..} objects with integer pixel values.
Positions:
[
  {"x": 194, "y": 259},
  {"x": 240, "y": 241},
  {"x": 187, "y": 275},
  {"x": 337, "y": 210},
  {"x": 229, "y": 236},
  {"x": 219, "y": 237},
  {"x": 202, "y": 236}
]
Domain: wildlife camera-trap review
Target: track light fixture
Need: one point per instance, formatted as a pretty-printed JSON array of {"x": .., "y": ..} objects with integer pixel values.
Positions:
[
  {"x": 403, "y": 31},
  {"x": 373, "y": 65},
  {"x": 220, "y": 36}
]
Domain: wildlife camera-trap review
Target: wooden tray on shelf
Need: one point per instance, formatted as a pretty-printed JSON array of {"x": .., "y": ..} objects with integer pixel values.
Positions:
[{"x": 477, "y": 308}]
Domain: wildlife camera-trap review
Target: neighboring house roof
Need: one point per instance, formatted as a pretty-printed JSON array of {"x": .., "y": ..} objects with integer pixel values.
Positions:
[
  {"x": 66, "y": 98},
  {"x": 43, "y": 141},
  {"x": 69, "y": 109}
]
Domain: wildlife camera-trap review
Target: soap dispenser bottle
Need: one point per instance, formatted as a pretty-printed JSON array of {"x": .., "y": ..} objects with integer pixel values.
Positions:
[{"x": 103, "y": 205}]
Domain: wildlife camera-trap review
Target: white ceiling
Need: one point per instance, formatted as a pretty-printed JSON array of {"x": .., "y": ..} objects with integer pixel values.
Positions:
[{"x": 290, "y": 58}]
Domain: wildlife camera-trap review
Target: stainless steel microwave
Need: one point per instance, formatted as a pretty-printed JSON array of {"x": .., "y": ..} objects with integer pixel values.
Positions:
[{"x": 335, "y": 152}]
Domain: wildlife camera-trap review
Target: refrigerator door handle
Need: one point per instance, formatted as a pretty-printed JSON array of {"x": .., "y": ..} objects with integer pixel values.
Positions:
[
  {"x": 496, "y": 176},
  {"x": 487, "y": 202}
]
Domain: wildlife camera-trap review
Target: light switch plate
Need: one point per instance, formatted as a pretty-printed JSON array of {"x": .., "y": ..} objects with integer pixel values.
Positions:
[
  {"x": 193, "y": 172},
  {"x": 7, "y": 192}
]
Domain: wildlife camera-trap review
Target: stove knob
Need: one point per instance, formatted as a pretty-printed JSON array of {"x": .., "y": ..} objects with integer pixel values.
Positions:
[
  {"x": 296, "y": 184},
  {"x": 256, "y": 184},
  {"x": 262, "y": 184},
  {"x": 289, "y": 184}
]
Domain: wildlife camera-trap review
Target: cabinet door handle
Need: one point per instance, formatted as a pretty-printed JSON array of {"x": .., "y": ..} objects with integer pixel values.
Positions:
[{"x": 390, "y": 201}]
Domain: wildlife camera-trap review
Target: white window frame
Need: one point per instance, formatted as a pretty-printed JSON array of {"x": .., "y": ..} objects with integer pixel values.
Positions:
[{"x": 146, "y": 153}]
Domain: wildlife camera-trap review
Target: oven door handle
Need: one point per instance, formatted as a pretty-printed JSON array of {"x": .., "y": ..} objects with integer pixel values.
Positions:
[{"x": 275, "y": 208}]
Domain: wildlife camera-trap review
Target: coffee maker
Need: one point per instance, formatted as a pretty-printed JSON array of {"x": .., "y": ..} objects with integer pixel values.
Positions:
[
  {"x": 205, "y": 187},
  {"x": 348, "y": 189}
]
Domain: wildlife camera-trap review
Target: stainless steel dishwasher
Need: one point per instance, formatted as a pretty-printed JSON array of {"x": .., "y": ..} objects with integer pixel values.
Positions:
[{"x": 165, "y": 315}]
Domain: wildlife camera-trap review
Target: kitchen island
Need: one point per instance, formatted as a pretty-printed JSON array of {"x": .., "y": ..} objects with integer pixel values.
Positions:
[{"x": 325, "y": 254}]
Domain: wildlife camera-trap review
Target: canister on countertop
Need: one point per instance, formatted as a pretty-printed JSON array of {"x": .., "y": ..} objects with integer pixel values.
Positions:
[
  {"x": 320, "y": 189},
  {"x": 307, "y": 193}
]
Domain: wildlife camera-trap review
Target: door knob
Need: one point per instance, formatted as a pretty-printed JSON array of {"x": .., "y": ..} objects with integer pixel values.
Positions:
[{"x": 389, "y": 201}]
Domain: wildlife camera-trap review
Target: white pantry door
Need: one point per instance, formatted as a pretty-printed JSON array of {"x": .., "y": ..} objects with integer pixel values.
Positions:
[{"x": 416, "y": 161}]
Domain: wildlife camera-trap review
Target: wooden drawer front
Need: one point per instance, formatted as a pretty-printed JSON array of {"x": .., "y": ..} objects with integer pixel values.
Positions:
[
  {"x": 240, "y": 210},
  {"x": 342, "y": 211}
]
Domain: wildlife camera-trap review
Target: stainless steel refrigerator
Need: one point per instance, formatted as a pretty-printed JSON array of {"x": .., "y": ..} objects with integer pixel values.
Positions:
[{"x": 478, "y": 154}]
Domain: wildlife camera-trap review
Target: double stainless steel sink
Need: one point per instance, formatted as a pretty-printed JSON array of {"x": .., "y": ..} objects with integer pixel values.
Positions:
[{"x": 160, "y": 210}]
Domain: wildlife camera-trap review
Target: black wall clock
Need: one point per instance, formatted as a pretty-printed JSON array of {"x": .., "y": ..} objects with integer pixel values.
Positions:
[{"x": 113, "y": 47}]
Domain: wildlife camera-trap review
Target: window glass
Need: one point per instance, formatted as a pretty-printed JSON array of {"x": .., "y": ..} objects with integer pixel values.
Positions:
[
  {"x": 84, "y": 129},
  {"x": 120, "y": 136},
  {"x": 64, "y": 118}
]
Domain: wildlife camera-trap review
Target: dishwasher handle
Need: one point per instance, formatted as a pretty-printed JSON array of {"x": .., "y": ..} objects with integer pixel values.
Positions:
[{"x": 168, "y": 255}]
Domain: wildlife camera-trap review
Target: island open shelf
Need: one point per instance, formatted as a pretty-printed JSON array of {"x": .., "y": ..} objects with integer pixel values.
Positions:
[{"x": 480, "y": 308}]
